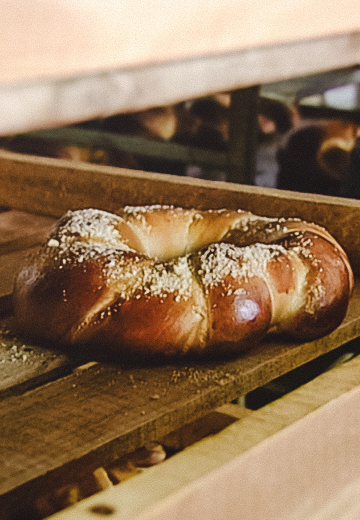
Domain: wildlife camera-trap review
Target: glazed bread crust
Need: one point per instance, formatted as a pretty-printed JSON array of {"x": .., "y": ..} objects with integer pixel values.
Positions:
[{"x": 166, "y": 281}]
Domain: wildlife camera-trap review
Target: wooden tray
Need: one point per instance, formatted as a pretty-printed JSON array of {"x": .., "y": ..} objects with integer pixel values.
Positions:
[{"x": 63, "y": 415}]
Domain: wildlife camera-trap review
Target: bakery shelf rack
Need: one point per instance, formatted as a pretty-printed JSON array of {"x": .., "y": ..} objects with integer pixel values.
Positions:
[
  {"x": 66, "y": 62},
  {"x": 61, "y": 414}
]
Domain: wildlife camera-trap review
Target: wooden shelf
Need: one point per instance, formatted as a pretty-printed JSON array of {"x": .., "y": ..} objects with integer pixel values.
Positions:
[
  {"x": 99, "y": 412},
  {"x": 64, "y": 414},
  {"x": 129, "y": 56},
  {"x": 295, "y": 456}
]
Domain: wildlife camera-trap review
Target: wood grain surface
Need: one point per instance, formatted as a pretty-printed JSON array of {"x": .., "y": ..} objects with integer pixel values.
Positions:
[
  {"x": 50, "y": 187},
  {"x": 20, "y": 230},
  {"x": 129, "y": 57},
  {"x": 63, "y": 414},
  {"x": 102, "y": 411},
  {"x": 24, "y": 365},
  {"x": 324, "y": 459},
  {"x": 134, "y": 35}
]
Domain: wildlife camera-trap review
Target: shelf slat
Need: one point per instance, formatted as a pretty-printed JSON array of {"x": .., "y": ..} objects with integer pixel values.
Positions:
[{"x": 103, "y": 411}]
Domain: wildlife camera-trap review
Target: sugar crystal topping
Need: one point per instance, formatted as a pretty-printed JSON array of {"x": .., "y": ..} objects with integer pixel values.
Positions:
[
  {"x": 93, "y": 235},
  {"x": 174, "y": 277},
  {"x": 147, "y": 209},
  {"x": 90, "y": 224},
  {"x": 220, "y": 260},
  {"x": 86, "y": 234}
]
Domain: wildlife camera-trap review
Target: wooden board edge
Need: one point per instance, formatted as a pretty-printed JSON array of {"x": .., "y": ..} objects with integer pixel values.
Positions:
[
  {"x": 145, "y": 495},
  {"x": 52, "y": 186}
]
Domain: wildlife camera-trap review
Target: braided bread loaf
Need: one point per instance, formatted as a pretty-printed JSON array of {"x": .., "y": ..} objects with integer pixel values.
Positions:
[{"x": 166, "y": 280}]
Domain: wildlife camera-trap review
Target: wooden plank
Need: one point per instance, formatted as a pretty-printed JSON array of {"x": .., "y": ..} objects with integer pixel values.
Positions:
[
  {"x": 24, "y": 366},
  {"x": 51, "y": 187},
  {"x": 133, "y": 144},
  {"x": 239, "y": 45},
  {"x": 98, "y": 41},
  {"x": 62, "y": 102},
  {"x": 95, "y": 415},
  {"x": 243, "y": 132},
  {"x": 209, "y": 424},
  {"x": 152, "y": 493},
  {"x": 21, "y": 230}
]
